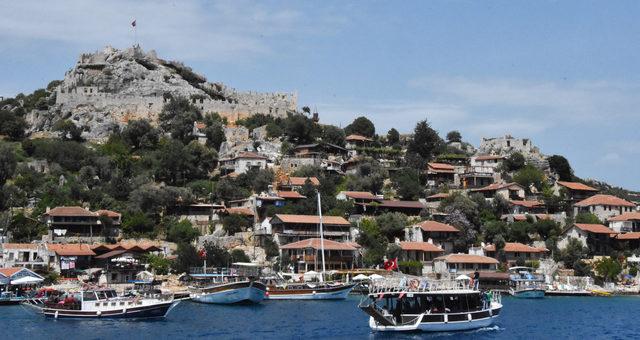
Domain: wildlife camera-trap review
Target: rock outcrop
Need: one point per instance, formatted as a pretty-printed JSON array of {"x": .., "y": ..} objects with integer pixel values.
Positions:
[{"x": 108, "y": 88}]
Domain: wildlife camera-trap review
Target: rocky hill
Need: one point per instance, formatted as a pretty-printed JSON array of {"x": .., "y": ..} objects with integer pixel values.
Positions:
[{"x": 107, "y": 88}]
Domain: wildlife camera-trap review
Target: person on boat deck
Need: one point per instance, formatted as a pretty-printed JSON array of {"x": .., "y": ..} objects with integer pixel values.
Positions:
[
  {"x": 476, "y": 280},
  {"x": 403, "y": 282},
  {"x": 423, "y": 283}
]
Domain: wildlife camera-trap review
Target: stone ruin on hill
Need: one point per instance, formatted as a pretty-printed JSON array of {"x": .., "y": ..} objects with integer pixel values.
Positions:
[{"x": 108, "y": 88}]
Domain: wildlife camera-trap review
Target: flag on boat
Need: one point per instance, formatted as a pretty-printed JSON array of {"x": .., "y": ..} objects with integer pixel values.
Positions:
[
  {"x": 390, "y": 265},
  {"x": 202, "y": 253},
  {"x": 133, "y": 23}
]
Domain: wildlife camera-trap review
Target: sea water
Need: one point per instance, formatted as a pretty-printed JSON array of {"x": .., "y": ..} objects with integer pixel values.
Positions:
[{"x": 583, "y": 318}]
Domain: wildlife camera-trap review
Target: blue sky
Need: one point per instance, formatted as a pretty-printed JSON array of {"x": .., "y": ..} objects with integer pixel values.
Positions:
[{"x": 565, "y": 74}]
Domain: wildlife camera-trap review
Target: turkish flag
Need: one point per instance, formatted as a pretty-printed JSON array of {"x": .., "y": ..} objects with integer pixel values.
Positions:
[
  {"x": 202, "y": 253},
  {"x": 390, "y": 265}
]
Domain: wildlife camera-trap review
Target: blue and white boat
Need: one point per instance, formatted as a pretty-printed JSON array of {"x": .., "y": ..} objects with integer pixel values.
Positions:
[
  {"x": 525, "y": 284},
  {"x": 238, "y": 284}
]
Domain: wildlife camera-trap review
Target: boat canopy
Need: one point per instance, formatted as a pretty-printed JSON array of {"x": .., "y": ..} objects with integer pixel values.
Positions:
[{"x": 26, "y": 280}]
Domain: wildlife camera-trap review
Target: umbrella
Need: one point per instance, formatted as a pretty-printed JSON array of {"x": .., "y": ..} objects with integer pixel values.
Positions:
[
  {"x": 463, "y": 277},
  {"x": 375, "y": 277},
  {"x": 26, "y": 280},
  {"x": 360, "y": 277}
]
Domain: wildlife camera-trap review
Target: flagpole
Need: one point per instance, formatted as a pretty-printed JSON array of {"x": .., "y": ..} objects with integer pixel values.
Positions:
[{"x": 321, "y": 236}]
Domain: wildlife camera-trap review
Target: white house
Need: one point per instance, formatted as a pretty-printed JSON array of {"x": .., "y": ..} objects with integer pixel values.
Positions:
[
  {"x": 595, "y": 235},
  {"x": 625, "y": 223},
  {"x": 243, "y": 162},
  {"x": 604, "y": 206}
]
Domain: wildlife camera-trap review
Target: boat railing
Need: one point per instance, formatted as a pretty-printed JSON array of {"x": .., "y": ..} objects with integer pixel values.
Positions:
[{"x": 405, "y": 284}]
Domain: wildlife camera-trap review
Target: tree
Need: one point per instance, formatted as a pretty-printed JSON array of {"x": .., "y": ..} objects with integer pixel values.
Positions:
[
  {"x": 547, "y": 229},
  {"x": 407, "y": 184},
  {"x": 12, "y": 125},
  {"x": 135, "y": 224},
  {"x": 468, "y": 232},
  {"x": 369, "y": 176},
  {"x": 454, "y": 136},
  {"x": 203, "y": 158},
  {"x": 235, "y": 223},
  {"x": 187, "y": 257},
  {"x": 393, "y": 137},
  {"x": 216, "y": 255},
  {"x": 374, "y": 242},
  {"x": 68, "y": 130},
  {"x": 588, "y": 218},
  {"x": 226, "y": 190},
  {"x": 392, "y": 225},
  {"x": 519, "y": 232},
  {"x": 300, "y": 129},
  {"x": 561, "y": 167},
  {"x": 514, "y": 162},
  {"x": 8, "y": 163},
  {"x": 425, "y": 143},
  {"x": 238, "y": 255},
  {"x": 333, "y": 134},
  {"x": 608, "y": 268},
  {"x": 139, "y": 134},
  {"x": 25, "y": 229},
  {"x": 215, "y": 135},
  {"x": 181, "y": 231},
  {"x": 173, "y": 164},
  {"x": 528, "y": 176},
  {"x": 177, "y": 118},
  {"x": 361, "y": 126},
  {"x": 494, "y": 229},
  {"x": 159, "y": 264},
  {"x": 573, "y": 252}
]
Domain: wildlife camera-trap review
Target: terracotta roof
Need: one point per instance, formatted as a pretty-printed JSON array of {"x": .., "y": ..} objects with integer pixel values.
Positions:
[
  {"x": 357, "y": 138},
  {"x": 527, "y": 204},
  {"x": 488, "y": 157},
  {"x": 200, "y": 125},
  {"x": 433, "y": 226},
  {"x": 111, "y": 254},
  {"x": 604, "y": 200},
  {"x": 467, "y": 258},
  {"x": 290, "y": 194},
  {"x": 439, "y": 195},
  {"x": 543, "y": 216},
  {"x": 397, "y": 204},
  {"x": 629, "y": 236},
  {"x": 32, "y": 246},
  {"x": 421, "y": 246},
  {"x": 354, "y": 244},
  {"x": 440, "y": 167},
  {"x": 576, "y": 186},
  {"x": 516, "y": 247},
  {"x": 70, "y": 211},
  {"x": 108, "y": 213},
  {"x": 231, "y": 175},
  {"x": 360, "y": 195},
  {"x": 71, "y": 249},
  {"x": 8, "y": 272},
  {"x": 239, "y": 211},
  {"x": 312, "y": 219},
  {"x": 498, "y": 186},
  {"x": 314, "y": 243},
  {"x": 249, "y": 155},
  {"x": 594, "y": 228},
  {"x": 300, "y": 181},
  {"x": 628, "y": 216}
]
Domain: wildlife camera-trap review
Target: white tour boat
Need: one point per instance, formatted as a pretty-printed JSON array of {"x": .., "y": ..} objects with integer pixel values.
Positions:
[{"x": 401, "y": 304}]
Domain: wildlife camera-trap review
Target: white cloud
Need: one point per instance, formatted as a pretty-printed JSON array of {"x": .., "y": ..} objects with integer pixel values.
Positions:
[{"x": 216, "y": 31}]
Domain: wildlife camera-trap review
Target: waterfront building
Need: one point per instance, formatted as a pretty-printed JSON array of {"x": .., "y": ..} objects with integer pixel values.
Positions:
[
  {"x": 423, "y": 252},
  {"x": 595, "y": 236},
  {"x": 306, "y": 254},
  {"x": 515, "y": 251},
  {"x": 77, "y": 224},
  {"x": 464, "y": 264},
  {"x": 440, "y": 234},
  {"x": 287, "y": 228}
]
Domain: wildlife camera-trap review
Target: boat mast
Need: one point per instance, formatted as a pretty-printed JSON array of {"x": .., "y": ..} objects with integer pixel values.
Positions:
[{"x": 321, "y": 238}]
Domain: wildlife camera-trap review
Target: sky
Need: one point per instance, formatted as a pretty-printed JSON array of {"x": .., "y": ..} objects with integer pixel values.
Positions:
[{"x": 562, "y": 73}]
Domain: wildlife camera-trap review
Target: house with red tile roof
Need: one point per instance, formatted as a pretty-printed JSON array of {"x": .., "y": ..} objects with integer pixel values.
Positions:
[
  {"x": 440, "y": 173},
  {"x": 515, "y": 251},
  {"x": 527, "y": 207},
  {"x": 354, "y": 141},
  {"x": 456, "y": 264},
  {"x": 575, "y": 191},
  {"x": 509, "y": 191},
  {"x": 433, "y": 201},
  {"x": 625, "y": 223},
  {"x": 357, "y": 196},
  {"x": 424, "y": 252},
  {"x": 604, "y": 206},
  {"x": 381, "y": 206},
  {"x": 296, "y": 183},
  {"x": 306, "y": 254},
  {"x": 243, "y": 162},
  {"x": 77, "y": 224},
  {"x": 287, "y": 228},
  {"x": 596, "y": 237},
  {"x": 440, "y": 234},
  {"x": 11, "y": 275},
  {"x": 29, "y": 255}
]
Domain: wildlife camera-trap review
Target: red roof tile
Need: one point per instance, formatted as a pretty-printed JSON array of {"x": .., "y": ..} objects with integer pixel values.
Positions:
[
  {"x": 439, "y": 196},
  {"x": 515, "y": 247},
  {"x": 629, "y": 236},
  {"x": 108, "y": 213},
  {"x": 357, "y": 138},
  {"x": 239, "y": 211},
  {"x": 71, "y": 249},
  {"x": 594, "y": 228},
  {"x": 527, "y": 204},
  {"x": 433, "y": 226},
  {"x": 440, "y": 167},
  {"x": 250, "y": 155},
  {"x": 628, "y": 216},
  {"x": 7, "y": 272},
  {"x": 360, "y": 195},
  {"x": 290, "y": 194},
  {"x": 576, "y": 186},
  {"x": 467, "y": 258},
  {"x": 421, "y": 246},
  {"x": 70, "y": 211},
  {"x": 300, "y": 181},
  {"x": 314, "y": 243},
  {"x": 604, "y": 200},
  {"x": 312, "y": 219},
  {"x": 398, "y": 204},
  {"x": 498, "y": 186},
  {"x": 31, "y": 246}
]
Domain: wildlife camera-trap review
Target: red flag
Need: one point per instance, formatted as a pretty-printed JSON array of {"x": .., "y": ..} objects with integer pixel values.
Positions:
[
  {"x": 202, "y": 253},
  {"x": 133, "y": 23},
  {"x": 390, "y": 265}
]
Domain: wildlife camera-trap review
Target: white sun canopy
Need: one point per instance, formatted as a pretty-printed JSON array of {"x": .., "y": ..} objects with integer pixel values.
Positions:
[{"x": 26, "y": 280}]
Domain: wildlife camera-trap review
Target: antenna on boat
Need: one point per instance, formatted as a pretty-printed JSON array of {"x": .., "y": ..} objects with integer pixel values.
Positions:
[{"x": 321, "y": 237}]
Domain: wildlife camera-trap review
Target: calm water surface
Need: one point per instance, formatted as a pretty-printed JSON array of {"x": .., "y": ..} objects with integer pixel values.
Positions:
[{"x": 552, "y": 318}]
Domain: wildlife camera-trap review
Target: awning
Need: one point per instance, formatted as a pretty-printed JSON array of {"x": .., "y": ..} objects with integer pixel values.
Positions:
[
  {"x": 26, "y": 280},
  {"x": 111, "y": 254}
]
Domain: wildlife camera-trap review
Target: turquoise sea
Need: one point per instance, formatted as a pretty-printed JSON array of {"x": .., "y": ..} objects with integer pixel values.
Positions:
[{"x": 552, "y": 318}]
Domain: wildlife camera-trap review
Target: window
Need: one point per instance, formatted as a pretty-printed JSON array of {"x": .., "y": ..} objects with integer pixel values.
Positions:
[{"x": 88, "y": 296}]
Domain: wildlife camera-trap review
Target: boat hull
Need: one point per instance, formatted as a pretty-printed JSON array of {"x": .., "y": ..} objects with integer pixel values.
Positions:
[
  {"x": 529, "y": 294},
  {"x": 333, "y": 293},
  {"x": 141, "y": 312},
  {"x": 233, "y": 293},
  {"x": 472, "y": 321}
]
